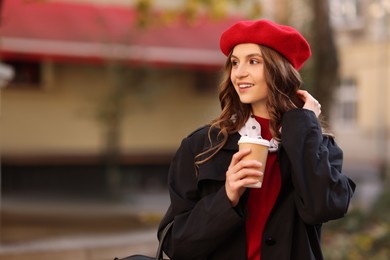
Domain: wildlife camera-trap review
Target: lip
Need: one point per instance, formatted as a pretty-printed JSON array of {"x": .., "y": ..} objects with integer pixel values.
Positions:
[{"x": 244, "y": 86}]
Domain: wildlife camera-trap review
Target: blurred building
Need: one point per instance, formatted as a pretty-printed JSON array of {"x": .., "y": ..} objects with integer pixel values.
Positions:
[
  {"x": 88, "y": 82},
  {"x": 361, "y": 113},
  {"x": 360, "y": 116}
]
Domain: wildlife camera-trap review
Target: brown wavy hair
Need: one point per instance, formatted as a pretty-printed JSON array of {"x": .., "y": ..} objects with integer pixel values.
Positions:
[{"x": 283, "y": 82}]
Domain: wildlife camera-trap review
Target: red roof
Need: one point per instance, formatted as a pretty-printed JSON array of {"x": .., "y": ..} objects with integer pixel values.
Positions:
[{"x": 96, "y": 32}]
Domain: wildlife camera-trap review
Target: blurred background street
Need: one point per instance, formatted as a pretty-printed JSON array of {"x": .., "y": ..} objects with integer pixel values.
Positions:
[
  {"x": 96, "y": 96},
  {"x": 68, "y": 230}
]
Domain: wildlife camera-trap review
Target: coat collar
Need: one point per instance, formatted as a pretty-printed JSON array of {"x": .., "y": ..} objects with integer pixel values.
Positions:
[{"x": 232, "y": 142}]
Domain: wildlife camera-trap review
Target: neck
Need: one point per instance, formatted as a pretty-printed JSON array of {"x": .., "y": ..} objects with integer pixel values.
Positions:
[{"x": 260, "y": 111}]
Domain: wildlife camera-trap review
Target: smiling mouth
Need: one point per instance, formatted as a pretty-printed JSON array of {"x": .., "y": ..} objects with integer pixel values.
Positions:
[{"x": 243, "y": 86}]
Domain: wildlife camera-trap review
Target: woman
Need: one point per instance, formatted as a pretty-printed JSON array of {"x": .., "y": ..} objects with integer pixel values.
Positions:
[{"x": 214, "y": 215}]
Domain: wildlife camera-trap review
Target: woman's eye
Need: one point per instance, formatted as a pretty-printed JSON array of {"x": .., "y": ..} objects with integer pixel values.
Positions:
[
  {"x": 254, "y": 62},
  {"x": 234, "y": 62}
]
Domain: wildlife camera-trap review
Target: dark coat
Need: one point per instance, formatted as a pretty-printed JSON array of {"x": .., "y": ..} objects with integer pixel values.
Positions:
[{"x": 313, "y": 191}]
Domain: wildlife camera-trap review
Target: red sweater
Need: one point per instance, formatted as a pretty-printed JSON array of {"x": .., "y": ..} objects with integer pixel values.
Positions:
[{"x": 261, "y": 201}]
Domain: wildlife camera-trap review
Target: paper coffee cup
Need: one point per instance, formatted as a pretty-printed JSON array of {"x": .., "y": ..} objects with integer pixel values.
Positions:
[{"x": 259, "y": 151}]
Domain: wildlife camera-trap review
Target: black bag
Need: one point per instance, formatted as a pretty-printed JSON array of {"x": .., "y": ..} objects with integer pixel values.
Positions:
[{"x": 159, "y": 254}]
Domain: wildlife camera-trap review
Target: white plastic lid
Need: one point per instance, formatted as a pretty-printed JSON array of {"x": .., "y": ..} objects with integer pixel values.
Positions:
[{"x": 252, "y": 140}]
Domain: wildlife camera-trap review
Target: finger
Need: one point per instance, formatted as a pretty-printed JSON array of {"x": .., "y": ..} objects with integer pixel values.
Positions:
[
  {"x": 309, "y": 99},
  {"x": 238, "y": 156},
  {"x": 243, "y": 177},
  {"x": 249, "y": 177},
  {"x": 247, "y": 172},
  {"x": 303, "y": 94},
  {"x": 244, "y": 164},
  {"x": 247, "y": 182},
  {"x": 249, "y": 164}
]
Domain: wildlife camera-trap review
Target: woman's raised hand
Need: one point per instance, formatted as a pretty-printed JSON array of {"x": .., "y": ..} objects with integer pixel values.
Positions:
[
  {"x": 239, "y": 174},
  {"x": 310, "y": 102}
]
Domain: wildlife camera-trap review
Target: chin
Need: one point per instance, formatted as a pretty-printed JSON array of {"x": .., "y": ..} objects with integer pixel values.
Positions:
[{"x": 246, "y": 101}]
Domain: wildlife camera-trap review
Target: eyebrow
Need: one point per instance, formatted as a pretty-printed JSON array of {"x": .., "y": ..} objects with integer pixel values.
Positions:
[{"x": 250, "y": 55}]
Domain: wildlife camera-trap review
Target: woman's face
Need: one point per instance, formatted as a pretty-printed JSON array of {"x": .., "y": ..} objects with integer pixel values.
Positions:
[{"x": 247, "y": 76}]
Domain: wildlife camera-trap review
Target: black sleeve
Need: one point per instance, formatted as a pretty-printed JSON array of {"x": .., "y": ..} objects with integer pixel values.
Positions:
[
  {"x": 322, "y": 192},
  {"x": 201, "y": 223}
]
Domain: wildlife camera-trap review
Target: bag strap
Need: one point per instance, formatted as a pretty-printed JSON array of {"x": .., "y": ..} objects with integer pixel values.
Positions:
[{"x": 159, "y": 254}]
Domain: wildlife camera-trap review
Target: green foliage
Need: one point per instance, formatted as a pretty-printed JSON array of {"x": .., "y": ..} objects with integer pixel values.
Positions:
[
  {"x": 360, "y": 235},
  {"x": 192, "y": 9},
  {"x": 144, "y": 8}
]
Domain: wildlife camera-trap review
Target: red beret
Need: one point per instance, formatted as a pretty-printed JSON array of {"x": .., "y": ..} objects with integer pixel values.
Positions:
[{"x": 284, "y": 39}]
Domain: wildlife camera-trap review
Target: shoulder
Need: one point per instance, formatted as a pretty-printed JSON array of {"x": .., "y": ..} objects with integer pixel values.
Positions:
[
  {"x": 301, "y": 125},
  {"x": 200, "y": 132},
  {"x": 205, "y": 132},
  {"x": 197, "y": 140},
  {"x": 300, "y": 115},
  {"x": 202, "y": 138}
]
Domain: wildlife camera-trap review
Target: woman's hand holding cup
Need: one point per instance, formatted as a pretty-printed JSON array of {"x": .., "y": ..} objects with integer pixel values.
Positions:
[{"x": 240, "y": 174}]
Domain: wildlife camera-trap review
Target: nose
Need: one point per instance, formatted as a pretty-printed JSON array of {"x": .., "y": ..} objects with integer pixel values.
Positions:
[{"x": 240, "y": 71}]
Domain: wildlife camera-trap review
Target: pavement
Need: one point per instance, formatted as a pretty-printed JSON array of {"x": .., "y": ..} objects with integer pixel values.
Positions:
[
  {"x": 84, "y": 247},
  {"x": 104, "y": 230}
]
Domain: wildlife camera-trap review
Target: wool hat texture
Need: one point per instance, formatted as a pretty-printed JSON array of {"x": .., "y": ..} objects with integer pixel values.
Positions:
[{"x": 282, "y": 38}]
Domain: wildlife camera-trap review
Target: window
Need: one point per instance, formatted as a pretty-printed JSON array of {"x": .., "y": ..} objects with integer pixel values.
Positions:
[
  {"x": 27, "y": 74},
  {"x": 346, "y": 13},
  {"x": 206, "y": 82},
  {"x": 347, "y": 102}
]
